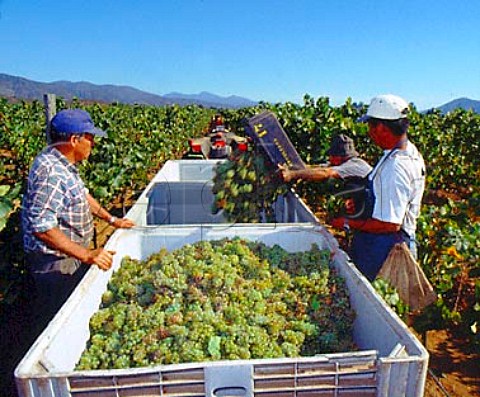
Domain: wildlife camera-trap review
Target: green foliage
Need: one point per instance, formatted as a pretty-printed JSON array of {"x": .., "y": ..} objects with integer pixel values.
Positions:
[
  {"x": 450, "y": 256},
  {"x": 141, "y": 138},
  {"x": 450, "y": 146},
  {"x": 9, "y": 200},
  {"x": 391, "y": 297}
]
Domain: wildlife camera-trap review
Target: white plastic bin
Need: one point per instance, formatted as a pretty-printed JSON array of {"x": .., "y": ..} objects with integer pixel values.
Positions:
[{"x": 391, "y": 361}]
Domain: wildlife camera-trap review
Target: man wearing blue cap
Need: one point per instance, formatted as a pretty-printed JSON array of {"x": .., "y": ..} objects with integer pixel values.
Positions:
[
  {"x": 394, "y": 188},
  {"x": 57, "y": 213}
]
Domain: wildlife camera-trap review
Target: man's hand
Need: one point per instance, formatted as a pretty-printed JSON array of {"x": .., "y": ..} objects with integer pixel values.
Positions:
[
  {"x": 123, "y": 223},
  {"x": 285, "y": 172},
  {"x": 350, "y": 206},
  {"x": 100, "y": 257},
  {"x": 57, "y": 240}
]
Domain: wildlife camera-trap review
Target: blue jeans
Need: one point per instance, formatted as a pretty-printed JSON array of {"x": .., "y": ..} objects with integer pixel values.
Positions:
[{"x": 370, "y": 250}]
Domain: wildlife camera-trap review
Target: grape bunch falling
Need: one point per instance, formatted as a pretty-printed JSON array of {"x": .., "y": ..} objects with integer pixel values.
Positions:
[{"x": 246, "y": 188}]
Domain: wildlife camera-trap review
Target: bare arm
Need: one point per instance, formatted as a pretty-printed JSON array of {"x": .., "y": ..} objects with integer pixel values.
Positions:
[
  {"x": 369, "y": 225},
  {"x": 314, "y": 173},
  {"x": 102, "y": 213},
  {"x": 57, "y": 240}
]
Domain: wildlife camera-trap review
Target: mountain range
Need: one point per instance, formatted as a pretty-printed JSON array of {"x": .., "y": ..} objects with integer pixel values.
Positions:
[
  {"x": 22, "y": 88},
  {"x": 464, "y": 103}
]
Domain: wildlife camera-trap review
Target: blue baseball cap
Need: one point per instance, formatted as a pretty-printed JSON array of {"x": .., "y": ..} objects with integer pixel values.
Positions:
[{"x": 75, "y": 121}]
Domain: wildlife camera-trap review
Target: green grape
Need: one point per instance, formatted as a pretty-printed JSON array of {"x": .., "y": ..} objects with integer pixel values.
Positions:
[
  {"x": 246, "y": 186},
  {"x": 225, "y": 299}
]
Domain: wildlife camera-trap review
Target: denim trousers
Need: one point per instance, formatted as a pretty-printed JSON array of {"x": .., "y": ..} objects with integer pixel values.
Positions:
[{"x": 370, "y": 250}]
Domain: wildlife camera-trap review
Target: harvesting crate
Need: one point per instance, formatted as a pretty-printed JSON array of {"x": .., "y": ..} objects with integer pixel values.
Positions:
[
  {"x": 390, "y": 362},
  {"x": 266, "y": 130}
]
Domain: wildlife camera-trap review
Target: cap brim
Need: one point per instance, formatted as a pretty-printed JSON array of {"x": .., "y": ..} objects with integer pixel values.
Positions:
[
  {"x": 98, "y": 132},
  {"x": 364, "y": 119}
]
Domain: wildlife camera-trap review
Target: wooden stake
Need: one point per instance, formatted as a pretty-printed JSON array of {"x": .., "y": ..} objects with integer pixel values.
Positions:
[{"x": 50, "y": 103}]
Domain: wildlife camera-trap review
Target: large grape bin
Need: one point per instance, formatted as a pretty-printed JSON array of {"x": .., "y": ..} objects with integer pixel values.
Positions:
[{"x": 390, "y": 360}]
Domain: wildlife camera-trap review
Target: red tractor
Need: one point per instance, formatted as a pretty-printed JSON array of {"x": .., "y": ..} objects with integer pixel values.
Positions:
[{"x": 218, "y": 143}]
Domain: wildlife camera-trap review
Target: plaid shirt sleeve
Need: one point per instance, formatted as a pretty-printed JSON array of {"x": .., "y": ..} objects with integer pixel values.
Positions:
[
  {"x": 56, "y": 197},
  {"x": 46, "y": 199}
]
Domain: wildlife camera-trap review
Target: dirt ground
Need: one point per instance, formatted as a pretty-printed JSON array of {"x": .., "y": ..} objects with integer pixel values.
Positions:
[{"x": 454, "y": 368}]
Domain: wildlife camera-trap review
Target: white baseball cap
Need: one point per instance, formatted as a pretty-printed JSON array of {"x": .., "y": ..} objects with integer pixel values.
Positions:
[{"x": 386, "y": 107}]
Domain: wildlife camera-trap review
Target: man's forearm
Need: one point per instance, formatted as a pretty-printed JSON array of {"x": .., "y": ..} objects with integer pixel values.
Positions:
[
  {"x": 97, "y": 209},
  {"x": 57, "y": 240},
  {"x": 372, "y": 225},
  {"x": 314, "y": 174}
]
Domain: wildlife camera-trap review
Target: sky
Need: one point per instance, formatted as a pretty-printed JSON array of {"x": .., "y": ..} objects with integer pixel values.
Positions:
[{"x": 428, "y": 51}]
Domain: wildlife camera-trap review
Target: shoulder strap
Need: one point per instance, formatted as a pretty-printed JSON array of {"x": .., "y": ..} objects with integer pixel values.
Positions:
[{"x": 377, "y": 168}]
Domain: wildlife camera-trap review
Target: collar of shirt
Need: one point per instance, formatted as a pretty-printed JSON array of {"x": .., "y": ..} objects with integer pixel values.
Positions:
[{"x": 59, "y": 155}]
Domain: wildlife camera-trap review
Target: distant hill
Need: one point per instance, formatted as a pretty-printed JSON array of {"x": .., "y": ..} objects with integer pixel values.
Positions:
[
  {"x": 232, "y": 101},
  {"x": 22, "y": 88},
  {"x": 463, "y": 103}
]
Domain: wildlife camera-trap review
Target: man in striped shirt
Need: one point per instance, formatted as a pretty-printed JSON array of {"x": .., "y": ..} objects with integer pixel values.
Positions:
[
  {"x": 344, "y": 163},
  {"x": 57, "y": 213}
]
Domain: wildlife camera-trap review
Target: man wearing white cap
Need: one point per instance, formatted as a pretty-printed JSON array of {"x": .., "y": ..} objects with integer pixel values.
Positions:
[
  {"x": 57, "y": 213},
  {"x": 394, "y": 188}
]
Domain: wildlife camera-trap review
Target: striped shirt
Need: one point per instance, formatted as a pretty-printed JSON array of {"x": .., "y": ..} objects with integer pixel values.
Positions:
[
  {"x": 55, "y": 197},
  {"x": 354, "y": 167}
]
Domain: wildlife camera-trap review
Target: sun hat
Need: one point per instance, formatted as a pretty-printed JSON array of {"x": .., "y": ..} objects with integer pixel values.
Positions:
[
  {"x": 75, "y": 121},
  {"x": 386, "y": 107},
  {"x": 342, "y": 145}
]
